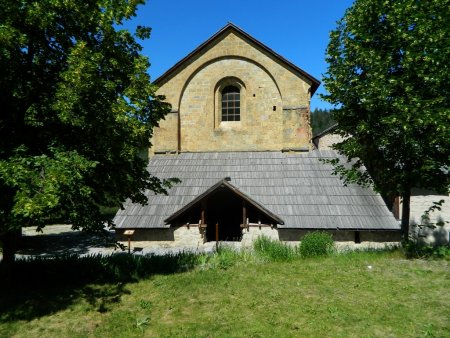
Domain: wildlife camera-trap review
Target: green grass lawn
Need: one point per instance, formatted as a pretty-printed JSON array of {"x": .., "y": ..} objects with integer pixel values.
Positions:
[{"x": 336, "y": 296}]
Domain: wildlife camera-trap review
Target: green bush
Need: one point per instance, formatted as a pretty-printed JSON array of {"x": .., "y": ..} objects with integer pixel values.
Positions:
[
  {"x": 317, "y": 243},
  {"x": 414, "y": 249},
  {"x": 274, "y": 250}
]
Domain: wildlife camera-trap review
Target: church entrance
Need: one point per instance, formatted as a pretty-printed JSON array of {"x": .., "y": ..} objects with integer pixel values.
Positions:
[
  {"x": 225, "y": 209},
  {"x": 220, "y": 213}
]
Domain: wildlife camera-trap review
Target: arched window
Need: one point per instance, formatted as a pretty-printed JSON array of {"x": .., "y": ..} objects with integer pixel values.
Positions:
[{"x": 231, "y": 104}]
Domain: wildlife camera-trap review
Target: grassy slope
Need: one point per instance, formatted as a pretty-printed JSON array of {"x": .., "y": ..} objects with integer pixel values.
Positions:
[{"x": 337, "y": 296}]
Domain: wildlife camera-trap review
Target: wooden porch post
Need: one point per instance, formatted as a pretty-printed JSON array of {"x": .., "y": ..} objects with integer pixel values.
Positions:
[
  {"x": 244, "y": 213},
  {"x": 203, "y": 220},
  {"x": 217, "y": 236}
]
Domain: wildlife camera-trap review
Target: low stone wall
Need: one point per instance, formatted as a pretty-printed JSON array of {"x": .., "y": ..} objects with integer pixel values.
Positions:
[
  {"x": 252, "y": 233},
  {"x": 184, "y": 237},
  {"x": 421, "y": 201},
  {"x": 167, "y": 238},
  {"x": 346, "y": 239},
  {"x": 296, "y": 235},
  {"x": 343, "y": 235},
  {"x": 328, "y": 140},
  {"x": 433, "y": 235},
  {"x": 380, "y": 236}
]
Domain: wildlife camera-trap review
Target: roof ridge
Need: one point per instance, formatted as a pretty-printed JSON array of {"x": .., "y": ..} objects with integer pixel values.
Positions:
[{"x": 315, "y": 83}]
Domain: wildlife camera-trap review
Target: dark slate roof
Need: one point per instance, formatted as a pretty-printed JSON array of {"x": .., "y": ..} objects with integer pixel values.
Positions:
[
  {"x": 326, "y": 131},
  {"x": 296, "y": 187},
  {"x": 225, "y": 30}
]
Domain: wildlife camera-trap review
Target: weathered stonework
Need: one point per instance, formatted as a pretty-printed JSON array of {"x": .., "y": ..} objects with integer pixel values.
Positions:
[
  {"x": 346, "y": 239},
  {"x": 326, "y": 141},
  {"x": 274, "y": 101},
  {"x": 191, "y": 238},
  {"x": 421, "y": 203},
  {"x": 296, "y": 127},
  {"x": 252, "y": 233},
  {"x": 165, "y": 137},
  {"x": 169, "y": 238}
]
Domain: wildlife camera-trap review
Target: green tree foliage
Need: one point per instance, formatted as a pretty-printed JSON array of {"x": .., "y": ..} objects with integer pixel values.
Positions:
[
  {"x": 389, "y": 72},
  {"x": 321, "y": 119},
  {"x": 77, "y": 110}
]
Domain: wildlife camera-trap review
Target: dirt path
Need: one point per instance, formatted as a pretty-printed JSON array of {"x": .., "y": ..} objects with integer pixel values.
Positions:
[{"x": 61, "y": 239}]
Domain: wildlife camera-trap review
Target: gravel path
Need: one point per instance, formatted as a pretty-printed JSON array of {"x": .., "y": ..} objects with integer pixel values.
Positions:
[{"x": 61, "y": 239}]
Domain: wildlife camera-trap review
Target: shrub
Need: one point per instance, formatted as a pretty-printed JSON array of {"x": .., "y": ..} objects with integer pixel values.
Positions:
[
  {"x": 317, "y": 243},
  {"x": 414, "y": 249},
  {"x": 274, "y": 250}
]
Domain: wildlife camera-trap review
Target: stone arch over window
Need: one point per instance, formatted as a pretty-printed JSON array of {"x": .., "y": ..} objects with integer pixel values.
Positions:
[{"x": 229, "y": 101}]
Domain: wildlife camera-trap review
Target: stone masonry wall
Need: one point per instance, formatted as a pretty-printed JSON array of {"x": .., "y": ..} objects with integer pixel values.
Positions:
[
  {"x": 165, "y": 137},
  {"x": 346, "y": 239},
  {"x": 184, "y": 237},
  {"x": 166, "y": 238},
  {"x": 421, "y": 203},
  {"x": 274, "y": 101},
  {"x": 326, "y": 141},
  {"x": 252, "y": 233},
  {"x": 296, "y": 127}
]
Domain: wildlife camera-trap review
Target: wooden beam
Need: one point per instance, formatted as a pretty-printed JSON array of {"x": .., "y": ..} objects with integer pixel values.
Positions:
[{"x": 262, "y": 225}]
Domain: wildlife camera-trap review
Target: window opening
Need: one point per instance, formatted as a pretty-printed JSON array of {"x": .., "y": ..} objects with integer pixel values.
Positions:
[{"x": 231, "y": 104}]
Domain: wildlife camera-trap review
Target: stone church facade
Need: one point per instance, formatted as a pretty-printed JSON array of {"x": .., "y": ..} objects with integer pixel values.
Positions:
[
  {"x": 239, "y": 138},
  {"x": 274, "y": 97}
]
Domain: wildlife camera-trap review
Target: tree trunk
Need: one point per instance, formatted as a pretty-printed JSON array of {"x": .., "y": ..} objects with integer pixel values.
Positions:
[
  {"x": 406, "y": 198},
  {"x": 9, "y": 246}
]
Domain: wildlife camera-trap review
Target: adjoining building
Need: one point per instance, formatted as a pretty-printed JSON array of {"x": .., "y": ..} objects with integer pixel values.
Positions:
[
  {"x": 426, "y": 226},
  {"x": 239, "y": 138}
]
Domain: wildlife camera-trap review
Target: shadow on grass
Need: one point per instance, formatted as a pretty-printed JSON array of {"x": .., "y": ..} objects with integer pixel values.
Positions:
[
  {"x": 63, "y": 243},
  {"x": 42, "y": 286}
]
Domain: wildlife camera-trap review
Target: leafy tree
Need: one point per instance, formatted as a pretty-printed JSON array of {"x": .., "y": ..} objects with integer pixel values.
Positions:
[
  {"x": 389, "y": 73},
  {"x": 77, "y": 110}
]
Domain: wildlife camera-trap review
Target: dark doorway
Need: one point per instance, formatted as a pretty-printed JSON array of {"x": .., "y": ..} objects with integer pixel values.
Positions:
[{"x": 225, "y": 208}]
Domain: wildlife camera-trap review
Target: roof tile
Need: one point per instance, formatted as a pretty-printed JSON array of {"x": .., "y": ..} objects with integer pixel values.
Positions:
[{"x": 296, "y": 187}]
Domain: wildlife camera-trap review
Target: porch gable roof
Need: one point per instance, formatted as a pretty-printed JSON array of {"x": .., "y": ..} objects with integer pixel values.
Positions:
[{"x": 224, "y": 183}]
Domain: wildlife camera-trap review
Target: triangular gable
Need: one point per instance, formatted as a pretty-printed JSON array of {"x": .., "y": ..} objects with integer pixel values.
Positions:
[
  {"x": 231, "y": 27},
  {"x": 227, "y": 185}
]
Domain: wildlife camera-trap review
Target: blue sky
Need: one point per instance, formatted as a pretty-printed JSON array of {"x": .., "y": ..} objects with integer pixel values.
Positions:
[{"x": 296, "y": 29}]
